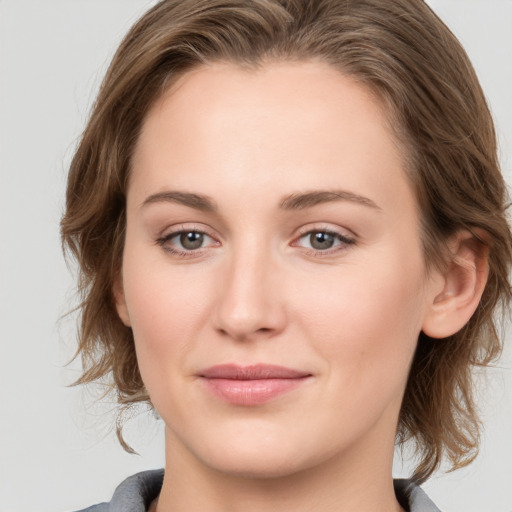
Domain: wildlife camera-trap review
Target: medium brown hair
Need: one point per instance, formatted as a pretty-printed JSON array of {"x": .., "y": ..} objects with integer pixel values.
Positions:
[{"x": 401, "y": 51}]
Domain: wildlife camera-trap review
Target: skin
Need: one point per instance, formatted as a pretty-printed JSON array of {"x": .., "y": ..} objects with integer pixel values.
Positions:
[{"x": 256, "y": 291}]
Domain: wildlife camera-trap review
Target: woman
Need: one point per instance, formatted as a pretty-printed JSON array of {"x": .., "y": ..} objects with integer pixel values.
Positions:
[{"x": 290, "y": 223}]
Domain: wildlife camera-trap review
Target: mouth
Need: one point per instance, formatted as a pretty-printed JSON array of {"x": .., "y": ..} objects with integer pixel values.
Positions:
[{"x": 251, "y": 385}]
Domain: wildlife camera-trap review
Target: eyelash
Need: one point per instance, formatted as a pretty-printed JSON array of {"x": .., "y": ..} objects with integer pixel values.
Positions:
[
  {"x": 343, "y": 242},
  {"x": 163, "y": 242}
]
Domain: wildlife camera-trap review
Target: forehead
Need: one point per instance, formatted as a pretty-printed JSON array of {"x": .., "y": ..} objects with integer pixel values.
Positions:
[
  {"x": 287, "y": 91},
  {"x": 286, "y": 124}
]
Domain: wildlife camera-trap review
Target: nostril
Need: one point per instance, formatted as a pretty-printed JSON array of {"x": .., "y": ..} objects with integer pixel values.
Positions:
[
  {"x": 245, "y": 310},
  {"x": 246, "y": 334}
]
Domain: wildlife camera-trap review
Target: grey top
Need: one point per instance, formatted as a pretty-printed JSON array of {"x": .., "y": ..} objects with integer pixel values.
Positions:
[{"x": 136, "y": 493}]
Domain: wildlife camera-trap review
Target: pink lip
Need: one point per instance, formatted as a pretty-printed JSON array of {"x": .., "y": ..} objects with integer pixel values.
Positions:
[{"x": 251, "y": 385}]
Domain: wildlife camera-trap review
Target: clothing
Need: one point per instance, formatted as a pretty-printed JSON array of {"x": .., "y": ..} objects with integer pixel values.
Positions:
[{"x": 136, "y": 493}]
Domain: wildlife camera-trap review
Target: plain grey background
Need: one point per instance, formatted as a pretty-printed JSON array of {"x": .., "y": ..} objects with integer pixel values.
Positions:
[{"x": 57, "y": 451}]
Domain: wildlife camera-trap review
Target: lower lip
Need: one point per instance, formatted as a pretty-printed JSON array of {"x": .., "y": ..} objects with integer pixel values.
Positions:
[{"x": 251, "y": 392}]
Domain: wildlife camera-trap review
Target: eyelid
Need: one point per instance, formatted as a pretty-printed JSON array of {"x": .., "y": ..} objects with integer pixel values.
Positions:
[
  {"x": 187, "y": 227},
  {"x": 173, "y": 231},
  {"x": 345, "y": 237},
  {"x": 325, "y": 228}
]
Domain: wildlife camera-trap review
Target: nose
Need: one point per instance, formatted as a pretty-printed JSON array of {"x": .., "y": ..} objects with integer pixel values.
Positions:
[{"x": 251, "y": 298}]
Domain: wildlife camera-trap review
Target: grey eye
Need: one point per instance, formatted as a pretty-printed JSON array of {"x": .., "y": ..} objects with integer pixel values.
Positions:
[
  {"x": 321, "y": 241},
  {"x": 324, "y": 241},
  {"x": 191, "y": 240}
]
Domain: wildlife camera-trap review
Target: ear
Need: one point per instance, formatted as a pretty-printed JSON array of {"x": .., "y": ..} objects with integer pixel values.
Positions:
[
  {"x": 456, "y": 291},
  {"x": 119, "y": 297}
]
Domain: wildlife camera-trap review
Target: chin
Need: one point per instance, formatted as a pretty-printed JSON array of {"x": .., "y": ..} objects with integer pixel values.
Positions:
[
  {"x": 264, "y": 456},
  {"x": 261, "y": 466}
]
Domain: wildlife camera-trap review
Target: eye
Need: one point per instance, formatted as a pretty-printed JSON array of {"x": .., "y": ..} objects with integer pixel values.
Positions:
[
  {"x": 323, "y": 240},
  {"x": 190, "y": 240},
  {"x": 186, "y": 241}
]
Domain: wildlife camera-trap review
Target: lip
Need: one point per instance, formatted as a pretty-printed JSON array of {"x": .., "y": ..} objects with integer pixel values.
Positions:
[{"x": 251, "y": 385}]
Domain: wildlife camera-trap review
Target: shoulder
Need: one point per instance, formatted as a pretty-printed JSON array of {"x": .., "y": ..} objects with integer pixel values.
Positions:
[
  {"x": 134, "y": 494},
  {"x": 412, "y": 497}
]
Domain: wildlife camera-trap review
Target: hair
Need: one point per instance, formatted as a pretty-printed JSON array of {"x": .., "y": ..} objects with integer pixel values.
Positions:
[{"x": 398, "y": 49}]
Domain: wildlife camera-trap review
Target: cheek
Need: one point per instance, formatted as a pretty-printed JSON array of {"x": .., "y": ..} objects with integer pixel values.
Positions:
[
  {"x": 167, "y": 309},
  {"x": 367, "y": 318}
]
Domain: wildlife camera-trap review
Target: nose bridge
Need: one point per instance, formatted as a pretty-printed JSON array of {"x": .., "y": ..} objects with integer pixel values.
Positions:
[{"x": 250, "y": 303}]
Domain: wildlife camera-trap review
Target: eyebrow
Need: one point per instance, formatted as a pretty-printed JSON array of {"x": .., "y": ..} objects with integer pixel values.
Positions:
[
  {"x": 297, "y": 201},
  {"x": 301, "y": 201},
  {"x": 196, "y": 201}
]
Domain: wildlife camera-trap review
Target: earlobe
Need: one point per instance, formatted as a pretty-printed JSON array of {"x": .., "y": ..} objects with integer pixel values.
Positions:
[
  {"x": 120, "y": 302},
  {"x": 456, "y": 291}
]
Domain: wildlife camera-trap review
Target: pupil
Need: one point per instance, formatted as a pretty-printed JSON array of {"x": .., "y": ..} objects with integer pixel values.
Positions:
[
  {"x": 191, "y": 240},
  {"x": 321, "y": 240}
]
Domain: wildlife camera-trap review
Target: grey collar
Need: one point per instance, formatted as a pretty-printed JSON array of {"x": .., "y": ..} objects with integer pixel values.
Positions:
[{"x": 137, "y": 492}]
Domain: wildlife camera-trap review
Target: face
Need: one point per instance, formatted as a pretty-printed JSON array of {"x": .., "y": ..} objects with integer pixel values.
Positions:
[{"x": 272, "y": 274}]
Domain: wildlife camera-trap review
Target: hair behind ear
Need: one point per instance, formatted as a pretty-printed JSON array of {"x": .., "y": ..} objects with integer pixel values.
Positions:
[{"x": 438, "y": 411}]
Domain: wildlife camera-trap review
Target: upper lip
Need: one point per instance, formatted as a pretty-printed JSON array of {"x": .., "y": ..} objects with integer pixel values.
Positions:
[{"x": 252, "y": 372}]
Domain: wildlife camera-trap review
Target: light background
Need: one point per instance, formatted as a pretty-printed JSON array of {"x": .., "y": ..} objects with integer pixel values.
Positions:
[{"x": 56, "y": 452}]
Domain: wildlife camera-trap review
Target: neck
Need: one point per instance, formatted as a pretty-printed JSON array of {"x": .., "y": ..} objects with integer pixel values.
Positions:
[{"x": 350, "y": 482}]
